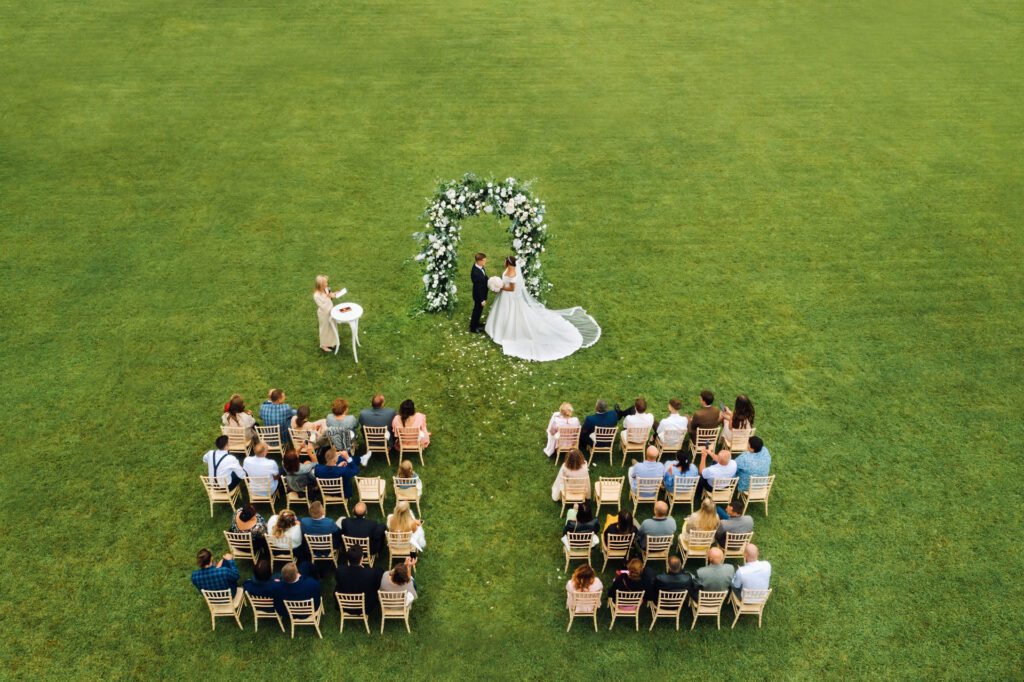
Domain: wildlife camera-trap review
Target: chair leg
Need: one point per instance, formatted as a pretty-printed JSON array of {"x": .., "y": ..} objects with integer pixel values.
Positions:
[
  {"x": 280, "y": 623},
  {"x": 407, "y": 624},
  {"x": 366, "y": 622},
  {"x": 563, "y": 507},
  {"x": 382, "y": 623},
  {"x": 571, "y": 616},
  {"x": 595, "y": 619}
]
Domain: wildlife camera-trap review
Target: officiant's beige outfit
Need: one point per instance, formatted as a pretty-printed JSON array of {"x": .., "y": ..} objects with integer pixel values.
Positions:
[{"x": 328, "y": 335}]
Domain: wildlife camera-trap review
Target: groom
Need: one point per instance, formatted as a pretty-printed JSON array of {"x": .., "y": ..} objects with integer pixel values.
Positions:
[{"x": 479, "y": 277}]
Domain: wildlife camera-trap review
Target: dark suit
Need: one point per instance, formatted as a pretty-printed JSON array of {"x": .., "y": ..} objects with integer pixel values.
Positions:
[
  {"x": 303, "y": 588},
  {"x": 670, "y": 582},
  {"x": 603, "y": 419},
  {"x": 363, "y": 580},
  {"x": 479, "y": 278},
  {"x": 356, "y": 527},
  {"x": 704, "y": 418}
]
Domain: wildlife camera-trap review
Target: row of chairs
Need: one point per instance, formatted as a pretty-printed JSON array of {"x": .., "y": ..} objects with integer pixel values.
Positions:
[
  {"x": 393, "y": 605},
  {"x": 608, "y": 491},
  {"x": 322, "y": 547},
  {"x": 669, "y": 604},
  {"x": 407, "y": 440},
  {"x": 693, "y": 545},
  {"x": 633, "y": 440}
]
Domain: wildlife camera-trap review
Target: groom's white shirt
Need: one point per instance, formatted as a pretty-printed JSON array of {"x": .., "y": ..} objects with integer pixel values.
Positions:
[{"x": 481, "y": 268}]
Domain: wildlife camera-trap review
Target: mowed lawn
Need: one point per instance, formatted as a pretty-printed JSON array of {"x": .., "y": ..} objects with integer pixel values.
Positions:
[{"x": 816, "y": 205}]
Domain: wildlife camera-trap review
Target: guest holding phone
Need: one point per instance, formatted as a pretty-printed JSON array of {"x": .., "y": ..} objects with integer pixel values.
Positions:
[{"x": 323, "y": 295}]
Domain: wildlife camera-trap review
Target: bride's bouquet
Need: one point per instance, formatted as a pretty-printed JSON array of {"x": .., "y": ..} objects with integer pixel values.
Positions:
[{"x": 495, "y": 284}]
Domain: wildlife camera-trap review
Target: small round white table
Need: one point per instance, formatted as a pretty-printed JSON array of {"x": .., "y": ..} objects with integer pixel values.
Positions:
[{"x": 352, "y": 318}]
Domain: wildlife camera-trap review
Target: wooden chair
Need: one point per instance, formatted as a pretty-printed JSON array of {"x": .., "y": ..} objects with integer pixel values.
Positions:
[
  {"x": 683, "y": 490},
  {"x": 574, "y": 490},
  {"x": 332, "y": 491},
  {"x": 668, "y": 605},
  {"x": 584, "y": 604},
  {"x": 604, "y": 441},
  {"x": 694, "y": 544},
  {"x": 657, "y": 547},
  {"x": 760, "y": 488},
  {"x": 735, "y": 544},
  {"x": 263, "y": 607},
  {"x": 372, "y": 490},
  {"x": 607, "y": 490},
  {"x": 271, "y": 436},
  {"x": 294, "y": 497},
  {"x": 261, "y": 489},
  {"x": 722, "y": 490},
  {"x": 627, "y": 605},
  {"x": 304, "y": 441},
  {"x": 394, "y": 605},
  {"x": 407, "y": 490},
  {"x": 223, "y": 603},
  {"x": 238, "y": 442},
  {"x": 364, "y": 543},
  {"x": 579, "y": 547},
  {"x": 752, "y": 604},
  {"x": 617, "y": 547},
  {"x": 633, "y": 440},
  {"x": 302, "y": 612},
  {"x": 217, "y": 490},
  {"x": 399, "y": 546},
  {"x": 702, "y": 437},
  {"x": 282, "y": 553},
  {"x": 737, "y": 440},
  {"x": 708, "y": 604},
  {"x": 321, "y": 548},
  {"x": 241, "y": 545},
  {"x": 352, "y": 602},
  {"x": 672, "y": 444},
  {"x": 567, "y": 439},
  {"x": 647, "y": 491},
  {"x": 407, "y": 440},
  {"x": 376, "y": 439}
]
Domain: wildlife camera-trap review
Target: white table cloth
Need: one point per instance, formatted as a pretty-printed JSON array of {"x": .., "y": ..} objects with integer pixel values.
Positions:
[{"x": 352, "y": 318}]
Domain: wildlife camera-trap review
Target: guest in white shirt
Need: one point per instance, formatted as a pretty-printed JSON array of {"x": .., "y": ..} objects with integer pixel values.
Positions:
[
  {"x": 284, "y": 532},
  {"x": 257, "y": 464},
  {"x": 559, "y": 420},
  {"x": 640, "y": 416},
  {"x": 724, "y": 467},
  {"x": 674, "y": 421},
  {"x": 752, "y": 575},
  {"x": 223, "y": 465}
]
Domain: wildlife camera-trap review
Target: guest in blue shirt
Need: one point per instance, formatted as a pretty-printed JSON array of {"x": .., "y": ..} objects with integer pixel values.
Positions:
[
  {"x": 347, "y": 468},
  {"x": 756, "y": 461},
  {"x": 317, "y": 524},
  {"x": 295, "y": 586},
  {"x": 276, "y": 412},
  {"x": 601, "y": 417},
  {"x": 681, "y": 467},
  {"x": 261, "y": 584},
  {"x": 649, "y": 468},
  {"x": 222, "y": 576}
]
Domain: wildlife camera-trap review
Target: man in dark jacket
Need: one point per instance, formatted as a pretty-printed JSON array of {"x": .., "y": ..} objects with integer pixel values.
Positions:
[
  {"x": 358, "y": 526},
  {"x": 601, "y": 417},
  {"x": 355, "y": 578},
  {"x": 479, "y": 277}
]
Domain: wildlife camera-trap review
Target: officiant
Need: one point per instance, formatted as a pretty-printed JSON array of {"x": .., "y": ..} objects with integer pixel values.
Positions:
[
  {"x": 479, "y": 277},
  {"x": 322, "y": 294}
]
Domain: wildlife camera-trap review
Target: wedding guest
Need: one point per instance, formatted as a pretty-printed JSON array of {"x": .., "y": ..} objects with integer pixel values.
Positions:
[
  {"x": 601, "y": 417},
  {"x": 355, "y": 578},
  {"x": 674, "y": 421},
  {"x": 223, "y": 465},
  {"x": 724, "y": 467},
  {"x": 559, "y": 420},
  {"x": 575, "y": 466},
  {"x": 704, "y": 519},
  {"x": 583, "y": 581},
  {"x": 358, "y": 526},
  {"x": 258, "y": 464},
  {"x": 237, "y": 415},
  {"x": 284, "y": 532},
  {"x": 298, "y": 477},
  {"x": 716, "y": 576},
  {"x": 680, "y": 467},
  {"x": 409, "y": 418},
  {"x": 405, "y": 471},
  {"x": 580, "y": 519},
  {"x": 318, "y": 524},
  {"x": 649, "y": 468},
  {"x": 403, "y": 521},
  {"x": 322, "y": 295},
  {"x": 399, "y": 580},
  {"x": 635, "y": 578},
  {"x": 661, "y": 524},
  {"x": 756, "y": 461},
  {"x": 295, "y": 586},
  {"x": 227, "y": 405},
  {"x": 339, "y": 465},
  {"x": 754, "y": 574},
  {"x": 262, "y": 584},
  {"x": 623, "y": 525},
  {"x": 341, "y": 426},
  {"x": 276, "y": 412},
  {"x": 248, "y": 520},
  {"x": 734, "y": 522},
  {"x": 312, "y": 430},
  {"x": 674, "y": 579},
  {"x": 220, "y": 576},
  {"x": 378, "y": 415},
  {"x": 637, "y": 415},
  {"x": 740, "y": 417},
  {"x": 707, "y": 417}
]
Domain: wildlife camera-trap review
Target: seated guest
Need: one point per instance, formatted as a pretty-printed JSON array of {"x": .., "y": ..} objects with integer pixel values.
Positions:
[
  {"x": 295, "y": 586},
  {"x": 583, "y": 580},
  {"x": 601, "y": 417},
  {"x": 298, "y": 477},
  {"x": 399, "y": 580},
  {"x": 317, "y": 524},
  {"x": 649, "y": 468},
  {"x": 358, "y": 526},
  {"x": 405, "y": 471},
  {"x": 623, "y": 525},
  {"x": 311, "y": 430},
  {"x": 756, "y": 461},
  {"x": 740, "y": 417},
  {"x": 637, "y": 416},
  {"x": 674, "y": 421},
  {"x": 276, "y": 412},
  {"x": 220, "y": 576},
  {"x": 635, "y": 578},
  {"x": 355, "y": 578},
  {"x": 661, "y": 524},
  {"x": 341, "y": 426},
  {"x": 248, "y": 520},
  {"x": 723, "y": 467},
  {"x": 409, "y": 418},
  {"x": 736, "y": 521},
  {"x": 262, "y": 584},
  {"x": 704, "y": 519},
  {"x": 227, "y": 405},
  {"x": 402, "y": 521},
  {"x": 339, "y": 465},
  {"x": 675, "y": 579},
  {"x": 754, "y": 574},
  {"x": 223, "y": 465},
  {"x": 559, "y": 420},
  {"x": 378, "y": 415},
  {"x": 258, "y": 464},
  {"x": 284, "y": 532},
  {"x": 707, "y": 417},
  {"x": 580, "y": 519},
  {"x": 716, "y": 576},
  {"x": 575, "y": 466},
  {"x": 237, "y": 415},
  {"x": 680, "y": 467}
]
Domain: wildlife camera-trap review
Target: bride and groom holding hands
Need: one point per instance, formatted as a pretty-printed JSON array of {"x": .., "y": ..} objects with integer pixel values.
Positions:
[{"x": 520, "y": 323}]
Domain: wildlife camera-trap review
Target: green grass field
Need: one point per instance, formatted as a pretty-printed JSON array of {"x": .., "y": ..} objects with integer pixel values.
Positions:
[{"x": 817, "y": 205}]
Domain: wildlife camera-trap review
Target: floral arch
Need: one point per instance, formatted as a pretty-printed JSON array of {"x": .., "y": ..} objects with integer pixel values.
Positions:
[{"x": 458, "y": 199}]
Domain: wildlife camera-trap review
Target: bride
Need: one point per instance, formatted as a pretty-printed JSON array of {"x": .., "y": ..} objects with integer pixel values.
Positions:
[{"x": 526, "y": 329}]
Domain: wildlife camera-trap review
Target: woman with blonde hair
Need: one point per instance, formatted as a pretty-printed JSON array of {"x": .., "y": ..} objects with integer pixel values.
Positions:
[
  {"x": 559, "y": 420},
  {"x": 237, "y": 415},
  {"x": 583, "y": 580},
  {"x": 403, "y": 521},
  {"x": 575, "y": 466},
  {"x": 705, "y": 518},
  {"x": 322, "y": 294},
  {"x": 284, "y": 532},
  {"x": 405, "y": 472}
]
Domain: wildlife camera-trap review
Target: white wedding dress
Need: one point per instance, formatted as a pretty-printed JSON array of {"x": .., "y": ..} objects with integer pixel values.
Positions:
[{"x": 526, "y": 329}]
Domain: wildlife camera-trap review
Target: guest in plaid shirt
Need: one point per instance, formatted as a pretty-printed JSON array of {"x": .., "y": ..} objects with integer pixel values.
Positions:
[
  {"x": 276, "y": 412},
  {"x": 222, "y": 576}
]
